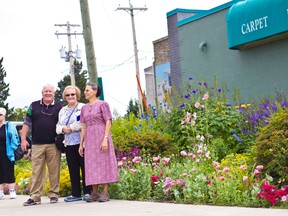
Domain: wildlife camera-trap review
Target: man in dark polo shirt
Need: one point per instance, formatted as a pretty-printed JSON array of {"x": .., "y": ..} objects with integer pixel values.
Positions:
[{"x": 42, "y": 117}]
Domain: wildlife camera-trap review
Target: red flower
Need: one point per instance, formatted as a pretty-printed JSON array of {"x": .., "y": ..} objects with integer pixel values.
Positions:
[
  {"x": 154, "y": 178},
  {"x": 270, "y": 193}
]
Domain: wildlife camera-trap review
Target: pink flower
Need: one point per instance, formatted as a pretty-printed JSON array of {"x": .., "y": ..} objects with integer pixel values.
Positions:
[
  {"x": 184, "y": 174},
  {"x": 195, "y": 115},
  {"x": 205, "y": 97},
  {"x": 226, "y": 169},
  {"x": 199, "y": 152},
  {"x": 183, "y": 153},
  {"x": 259, "y": 167},
  {"x": 190, "y": 155},
  {"x": 136, "y": 160},
  {"x": 284, "y": 198},
  {"x": 256, "y": 172},
  {"x": 166, "y": 160},
  {"x": 222, "y": 178},
  {"x": 216, "y": 165},
  {"x": 120, "y": 163},
  {"x": 197, "y": 105},
  {"x": 133, "y": 170},
  {"x": 243, "y": 167},
  {"x": 124, "y": 158},
  {"x": 155, "y": 159},
  {"x": 245, "y": 178},
  {"x": 188, "y": 116}
]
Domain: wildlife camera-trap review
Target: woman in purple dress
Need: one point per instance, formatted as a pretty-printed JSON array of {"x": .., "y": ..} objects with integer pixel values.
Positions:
[{"x": 100, "y": 160}]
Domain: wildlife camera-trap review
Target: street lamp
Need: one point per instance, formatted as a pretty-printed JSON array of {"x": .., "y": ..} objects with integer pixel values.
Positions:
[{"x": 69, "y": 57}]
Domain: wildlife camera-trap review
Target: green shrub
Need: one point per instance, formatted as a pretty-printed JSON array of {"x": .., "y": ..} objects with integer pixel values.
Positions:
[
  {"x": 130, "y": 132},
  {"x": 271, "y": 148}
]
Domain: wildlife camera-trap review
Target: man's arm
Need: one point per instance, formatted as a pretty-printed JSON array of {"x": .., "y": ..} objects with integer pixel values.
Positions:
[{"x": 24, "y": 143}]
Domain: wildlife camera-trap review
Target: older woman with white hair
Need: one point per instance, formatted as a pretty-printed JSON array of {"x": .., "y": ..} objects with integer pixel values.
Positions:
[{"x": 69, "y": 125}]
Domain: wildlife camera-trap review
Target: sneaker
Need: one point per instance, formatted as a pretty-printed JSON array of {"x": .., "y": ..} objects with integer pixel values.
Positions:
[
  {"x": 12, "y": 194},
  {"x": 53, "y": 199},
  {"x": 1, "y": 194},
  {"x": 72, "y": 199},
  {"x": 31, "y": 202},
  {"x": 93, "y": 197},
  {"x": 104, "y": 197},
  {"x": 85, "y": 197}
]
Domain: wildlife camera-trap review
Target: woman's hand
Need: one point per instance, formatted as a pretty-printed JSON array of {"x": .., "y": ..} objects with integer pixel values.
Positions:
[
  {"x": 24, "y": 145},
  {"x": 81, "y": 150},
  {"x": 104, "y": 145},
  {"x": 66, "y": 130},
  {"x": 28, "y": 153}
]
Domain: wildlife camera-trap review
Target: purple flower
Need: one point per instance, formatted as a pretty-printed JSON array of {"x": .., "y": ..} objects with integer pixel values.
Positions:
[
  {"x": 136, "y": 128},
  {"x": 237, "y": 138}
]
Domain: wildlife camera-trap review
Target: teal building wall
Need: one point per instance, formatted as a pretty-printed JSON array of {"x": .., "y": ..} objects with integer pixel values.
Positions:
[{"x": 204, "y": 52}]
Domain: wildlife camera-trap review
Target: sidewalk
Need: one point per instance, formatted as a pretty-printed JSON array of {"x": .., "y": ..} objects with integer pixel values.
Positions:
[{"x": 125, "y": 208}]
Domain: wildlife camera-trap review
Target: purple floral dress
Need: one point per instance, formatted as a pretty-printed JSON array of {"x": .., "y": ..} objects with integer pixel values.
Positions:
[{"x": 100, "y": 167}]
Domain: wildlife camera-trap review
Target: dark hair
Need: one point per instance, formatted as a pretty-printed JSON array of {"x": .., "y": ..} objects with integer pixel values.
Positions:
[{"x": 95, "y": 87}]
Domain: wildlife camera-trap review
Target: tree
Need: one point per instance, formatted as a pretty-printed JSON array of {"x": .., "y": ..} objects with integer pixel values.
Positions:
[
  {"x": 133, "y": 108},
  {"x": 19, "y": 114},
  {"x": 4, "y": 92},
  {"x": 81, "y": 79}
]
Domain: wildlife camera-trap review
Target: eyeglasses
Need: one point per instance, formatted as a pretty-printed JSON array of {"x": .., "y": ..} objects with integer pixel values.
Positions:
[
  {"x": 68, "y": 95},
  {"x": 47, "y": 113}
]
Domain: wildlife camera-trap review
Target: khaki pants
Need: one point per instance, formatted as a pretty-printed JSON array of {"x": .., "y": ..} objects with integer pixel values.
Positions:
[{"x": 42, "y": 155}]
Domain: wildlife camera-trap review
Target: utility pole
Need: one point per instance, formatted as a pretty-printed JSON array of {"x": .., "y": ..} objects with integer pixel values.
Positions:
[
  {"x": 130, "y": 10},
  {"x": 88, "y": 38},
  {"x": 70, "y": 52}
]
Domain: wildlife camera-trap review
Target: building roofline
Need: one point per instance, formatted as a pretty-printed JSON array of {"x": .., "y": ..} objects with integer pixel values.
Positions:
[
  {"x": 200, "y": 13},
  {"x": 181, "y": 10}
]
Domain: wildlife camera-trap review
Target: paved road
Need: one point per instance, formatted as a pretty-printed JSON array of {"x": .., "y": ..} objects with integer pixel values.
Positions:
[{"x": 125, "y": 208}]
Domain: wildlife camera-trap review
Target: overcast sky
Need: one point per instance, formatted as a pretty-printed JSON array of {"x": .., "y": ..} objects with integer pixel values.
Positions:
[{"x": 31, "y": 49}]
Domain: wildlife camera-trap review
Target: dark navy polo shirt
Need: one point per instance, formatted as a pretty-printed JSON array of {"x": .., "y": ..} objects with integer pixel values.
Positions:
[{"x": 42, "y": 119}]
